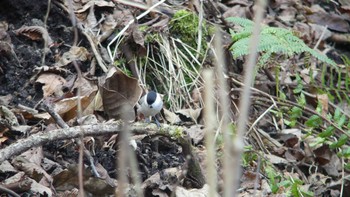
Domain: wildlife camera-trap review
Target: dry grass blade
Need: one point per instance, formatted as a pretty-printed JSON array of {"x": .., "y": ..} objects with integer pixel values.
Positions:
[
  {"x": 177, "y": 68},
  {"x": 120, "y": 34}
]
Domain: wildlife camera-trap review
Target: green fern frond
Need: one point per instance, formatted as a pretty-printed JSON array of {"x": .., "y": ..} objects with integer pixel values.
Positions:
[
  {"x": 272, "y": 40},
  {"x": 240, "y": 21}
]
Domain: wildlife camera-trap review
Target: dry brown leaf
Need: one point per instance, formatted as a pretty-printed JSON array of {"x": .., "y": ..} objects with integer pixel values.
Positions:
[
  {"x": 8, "y": 115},
  {"x": 6, "y": 167},
  {"x": 196, "y": 133},
  {"x": 171, "y": 117},
  {"x": 323, "y": 155},
  {"x": 5, "y": 100},
  {"x": 3, "y": 139},
  {"x": 122, "y": 17},
  {"x": 95, "y": 3},
  {"x": 159, "y": 182},
  {"x": 4, "y": 36},
  {"x": 95, "y": 105},
  {"x": 67, "y": 108},
  {"x": 344, "y": 2},
  {"x": 107, "y": 28},
  {"x": 189, "y": 114},
  {"x": 35, "y": 33},
  {"x": 52, "y": 84},
  {"x": 237, "y": 10},
  {"x": 196, "y": 96},
  {"x": 203, "y": 192},
  {"x": 75, "y": 53},
  {"x": 323, "y": 100},
  {"x": 250, "y": 179},
  {"x": 40, "y": 189},
  {"x": 334, "y": 167},
  {"x": 275, "y": 159},
  {"x": 86, "y": 87},
  {"x": 138, "y": 36},
  {"x": 30, "y": 163},
  {"x": 68, "y": 178},
  {"x": 120, "y": 93},
  {"x": 161, "y": 24},
  {"x": 333, "y": 21}
]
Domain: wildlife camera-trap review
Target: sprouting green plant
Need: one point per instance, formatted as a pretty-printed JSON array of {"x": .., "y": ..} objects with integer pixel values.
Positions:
[
  {"x": 290, "y": 186},
  {"x": 249, "y": 156},
  {"x": 274, "y": 178},
  {"x": 273, "y": 40}
]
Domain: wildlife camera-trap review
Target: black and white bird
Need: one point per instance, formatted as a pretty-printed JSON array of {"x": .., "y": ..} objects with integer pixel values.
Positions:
[{"x": 150, "y": 105}]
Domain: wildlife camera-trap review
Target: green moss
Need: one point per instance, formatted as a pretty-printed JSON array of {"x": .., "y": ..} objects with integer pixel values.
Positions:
[
  {"x": 184, "y": 25},
  {"x": 178, "y": 133}
]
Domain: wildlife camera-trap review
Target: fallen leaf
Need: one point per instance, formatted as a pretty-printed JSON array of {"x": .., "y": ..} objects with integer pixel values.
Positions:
[
  {"x": 196, "y": 133},
  {"x": 100, "y": 3},
  {"x": 40, "y": 189},
  {"x": 137, "y": 35},
  {"x": 6, "y": 167},
  {"x": 275, "y": 159},
  {"x": 323, "y": 100},
  {"x": 53, "y": 84},
  {"x": 35, "y": 33},
  {"x": 8, "y": 115},
  {"x": 74, "y": 54},
  {"x": 189, "y": 114},
  {"x": 203, "y": 192},
  {"x": 120, "y": 93},
  {"x": 323, "y": 155},
  {"x": 333, "y": 21}
]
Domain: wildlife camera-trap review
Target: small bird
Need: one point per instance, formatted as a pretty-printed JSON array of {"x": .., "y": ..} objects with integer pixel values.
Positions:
[{"x": 150, "y": 105}]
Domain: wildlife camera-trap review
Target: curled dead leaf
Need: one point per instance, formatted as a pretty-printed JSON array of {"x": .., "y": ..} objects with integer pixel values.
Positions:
[
  {"x": 35, "y": 33},
  {"x": 120, "y": 93}
]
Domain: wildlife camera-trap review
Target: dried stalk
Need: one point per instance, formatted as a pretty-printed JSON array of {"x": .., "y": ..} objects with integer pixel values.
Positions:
[
  {"x": 238, "y": 144},
  {"x": 209, "y": 116}
]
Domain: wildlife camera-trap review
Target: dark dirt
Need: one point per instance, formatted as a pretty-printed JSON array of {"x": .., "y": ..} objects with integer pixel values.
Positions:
[{"x": 15, "y": 78}]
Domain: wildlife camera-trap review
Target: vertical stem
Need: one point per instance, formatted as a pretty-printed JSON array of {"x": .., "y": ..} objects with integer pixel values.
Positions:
[
  {"x": 225, "y": 111},
  {"x": 238, "y": 144},
  {"x": 209, "y": 117}
]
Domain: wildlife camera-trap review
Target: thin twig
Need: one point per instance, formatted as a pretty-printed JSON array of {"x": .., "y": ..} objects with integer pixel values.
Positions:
[{"x": 94, "y": 50}]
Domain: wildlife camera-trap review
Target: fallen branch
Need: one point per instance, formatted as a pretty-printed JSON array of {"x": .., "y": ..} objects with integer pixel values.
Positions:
[{"x": 41, "y": 138}]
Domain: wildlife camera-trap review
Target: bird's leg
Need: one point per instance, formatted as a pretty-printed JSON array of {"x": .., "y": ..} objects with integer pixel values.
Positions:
[{"x": 156, "y": 120}]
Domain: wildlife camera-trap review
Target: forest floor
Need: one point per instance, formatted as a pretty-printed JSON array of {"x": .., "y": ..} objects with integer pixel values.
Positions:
[{"x": 297, "y": 139}]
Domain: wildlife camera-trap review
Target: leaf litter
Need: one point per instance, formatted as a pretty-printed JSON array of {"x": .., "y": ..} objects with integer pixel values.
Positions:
[{"x": 37, "y": 63}]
